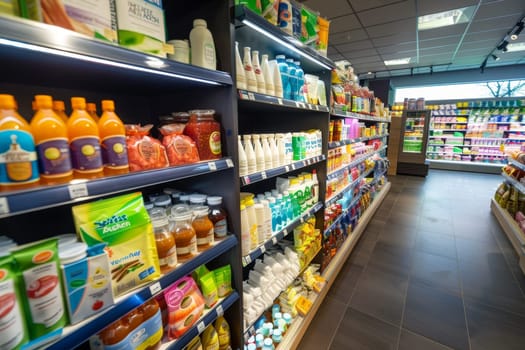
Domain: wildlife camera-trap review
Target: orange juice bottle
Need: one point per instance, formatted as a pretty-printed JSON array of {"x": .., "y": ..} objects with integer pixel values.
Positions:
[
  {"x": 51, "y": 140},
  {"x": 18, "y": 164},
  {"x": 113, "y": 140},
  {"x": 60, "y": 109},
  {"x": 91, "y": 108},
  {"x": 84, "y": 142}
]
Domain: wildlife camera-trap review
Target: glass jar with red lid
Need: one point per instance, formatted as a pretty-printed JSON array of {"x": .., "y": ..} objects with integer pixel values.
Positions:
[{"x": 206, "y": 132}]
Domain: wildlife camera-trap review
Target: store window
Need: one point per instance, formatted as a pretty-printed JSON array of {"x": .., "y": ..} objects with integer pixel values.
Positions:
[{"x": 507, "y": 88}]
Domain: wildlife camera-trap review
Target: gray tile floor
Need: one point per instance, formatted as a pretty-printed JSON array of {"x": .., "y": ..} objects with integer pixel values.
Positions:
[{"x": 432, "y": 271}]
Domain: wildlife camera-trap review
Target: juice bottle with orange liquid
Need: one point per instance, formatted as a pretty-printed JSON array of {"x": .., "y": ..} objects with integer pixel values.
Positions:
[
  {"x": 84, "y": 142},
  {"x": 113, "y": 140},
  {"x": 51, "y": 140},
  {"x": 91, "y": 108},
  {"x": 18, "y": 163},
  {"x": 60, "y": 109}
]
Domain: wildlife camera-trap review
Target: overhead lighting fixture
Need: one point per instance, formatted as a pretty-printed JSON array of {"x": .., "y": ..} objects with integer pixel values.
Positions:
[
  {"x": 517, "y": 32},
  {"x": 516, "y": 47},
  {"x": 284, "y": 43},
  {"x": 397, "y": 61},
  {"x": 446, "y": 18},
  {"x": 100, "y": 60},
  {"x": 496, "y": 58}
]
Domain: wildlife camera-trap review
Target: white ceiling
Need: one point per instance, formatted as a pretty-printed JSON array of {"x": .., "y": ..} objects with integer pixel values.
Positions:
[{"x": 368, "y": 32}]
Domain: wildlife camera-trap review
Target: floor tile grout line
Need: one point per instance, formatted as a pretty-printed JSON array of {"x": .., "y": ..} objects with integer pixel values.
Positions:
[{"x": 461, "y": 293}]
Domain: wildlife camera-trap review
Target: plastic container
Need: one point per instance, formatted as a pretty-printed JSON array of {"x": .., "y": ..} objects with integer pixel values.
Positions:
[
  {"x": 277, "y": 79},
  {"x": 299, "y": 73},
  {"x": 91, "y": 108},
  {"x": 20, "y": 168},
  {"x": 250, "y": 154},
  {"x": 285, "y": 77},
  {"x": 51, "y": 139},
  {"x": 181, "y": 51},
  {"x": 164, "y": 239},
  {"x": 202, "y": 45},
  {"x": 245, "y": 231},
  {"x": 240, "y": 74},
  {"x": 268, "y": 158},
  {"x": 113, "y": 141},
  {"x": 203, "y": 227},
  {"x": 243, "y": 160},
  {"x": 292, "y": 76},
  {"x": 259, "y": 153},
  {"x": 206, "y": 132},
  {"x": 218, "y": 216},
  {"x": 84, "y": 142}
]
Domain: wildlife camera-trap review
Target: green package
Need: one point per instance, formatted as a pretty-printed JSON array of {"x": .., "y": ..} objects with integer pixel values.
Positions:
[
  {"x": 14, "y": 331},
  {"x": 38, "y": 268},
  {"x": 254, "y": 5},
  {"x": 199, "y": 272},
  {"x": 270, "y": 10},
  {"x": 309, "y": 28},
  {"x": 223, "y": 279},
  {"x": 209, "y": 289},
  {"x": 124, "y": 224}
]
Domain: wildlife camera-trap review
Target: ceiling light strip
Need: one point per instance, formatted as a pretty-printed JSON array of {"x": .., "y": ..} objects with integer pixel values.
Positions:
[
  {"x": 103, "y": 61},
  {"x": 284, "y": 43},
  {"x": 466, "y": 30}
]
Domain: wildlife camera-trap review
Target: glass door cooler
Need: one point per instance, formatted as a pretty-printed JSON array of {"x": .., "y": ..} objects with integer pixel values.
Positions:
[{"x": 413, "y": 141}]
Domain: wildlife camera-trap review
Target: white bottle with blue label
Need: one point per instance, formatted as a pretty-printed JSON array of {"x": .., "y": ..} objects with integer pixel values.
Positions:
[
  {"x": 285, "y": 77},
  {"x": 300, "y": 81},
  {"x": 292, "y": 78}
]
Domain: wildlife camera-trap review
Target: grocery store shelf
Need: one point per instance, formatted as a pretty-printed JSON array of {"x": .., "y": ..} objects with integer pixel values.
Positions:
[
  {"x": 448, "y": 129},
  {"x": 465, "y": 154},
  {"x": 83, "y": 59},
  {"x": 518, "y": 185},
  {"x": 295, "y": 333},
  {"x": 12, "y": 203},
  {"x": 511, "y": 229},
  {"x": 206, "y": 319},
  {"x": 338, "y": 112},
  {"x": 263, "y": 175},
  {"x": 445, "y": 137},
  {"x": 79, "y": 333},
  {"x": 477, "y": 167},
  {"x": 441, "y": 122},
  {"x": 339, "y": 193},
  {"x": 333, "y": 174},
  {"x": 269, "y": 243},
  {"x": 469, "y": 146},
  {"x": 516, "y": 164},
  {"x": 249, "y": 26},
  {"x": 343, "y": 214},
  {"x": 335, "y": 144},
  {"x": 277, "y": 101}
]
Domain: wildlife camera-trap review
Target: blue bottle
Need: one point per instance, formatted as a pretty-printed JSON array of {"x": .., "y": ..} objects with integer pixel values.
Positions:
[
  {"x": 285, "y": 77},
  {"x": 276, "y": 216},
  {"x": 293, "y": 78},
  {"x": 300, "y": 81}
]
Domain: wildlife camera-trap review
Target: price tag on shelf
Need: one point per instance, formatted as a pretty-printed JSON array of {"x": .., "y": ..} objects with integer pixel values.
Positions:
[
  {"x": 247, "y": 180},
  {"x": 263, "y": 249},
  {"x": 285, "y": 231},
  {"x": 297, "y": 104},
  {"x": 302, "y": 105},
  {"x": 77, "y": 190},
  {"x": 212, "y": 166},
  {"x": 302, "y": 220},
  {"x": 293, "y": 166},
  {"x": 251, "y": 97},
  {"x": 229, "y": 163},
  {"x": 274, "y": 240},
  {"x": 309, "y": 106},
  {"x": 263, "y": 175},
  {"x": 201, "y": 327},
  {"x": 248, "y": 259},
  {"x": 287, "y": 168},
  {"x": 244, "y": 262},
  {"x": 280, "y": 101},
  {"x": 317, "y": 107},
  {"x": 155, "y": 288},
  {"x": 219, "y": 310},
  {"x": 4, "y": 206}
]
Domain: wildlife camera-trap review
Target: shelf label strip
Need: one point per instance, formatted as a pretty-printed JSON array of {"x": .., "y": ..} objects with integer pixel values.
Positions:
[
  {"x": 78, "y": 190},
  {"x": 4, "y": 206}
]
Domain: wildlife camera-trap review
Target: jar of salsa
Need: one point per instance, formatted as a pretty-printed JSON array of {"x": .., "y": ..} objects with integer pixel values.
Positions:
[
  {"x": 206, "y": 132},
  {"x": 203, "y": 227},
  {"x": 164, "y": 239},
  {"x": 185, "y": 238},
  {"x": 218, "y": 216}
]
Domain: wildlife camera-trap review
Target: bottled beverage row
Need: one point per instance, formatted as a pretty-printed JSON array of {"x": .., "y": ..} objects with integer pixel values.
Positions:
[
  {"x": 264, "y": 214},
  {"x": 260, "y": 152},
  {"x": 54, "y": 148},
  {"x": 282, "y": 77}
]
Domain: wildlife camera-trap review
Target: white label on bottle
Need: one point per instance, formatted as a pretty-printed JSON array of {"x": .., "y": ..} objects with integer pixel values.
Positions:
[
  {"x": 212, "y": 166},
  {"x": 155, "y": 288},
  {"x": 4, "y": 205},
  {"x": 229, "y": 163},
  {"x": 219, "y": 310},
  {"x": 201, "y": 327},
  {"x": 77, "y": 190},
  {"x": 263, "y": 249},
  {"x": 263, "y": 175}
]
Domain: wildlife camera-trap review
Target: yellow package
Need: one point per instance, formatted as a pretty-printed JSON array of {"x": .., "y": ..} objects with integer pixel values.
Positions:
[
  {"x": 210, "y": 339},
  {"x": 123, "y": 223}
]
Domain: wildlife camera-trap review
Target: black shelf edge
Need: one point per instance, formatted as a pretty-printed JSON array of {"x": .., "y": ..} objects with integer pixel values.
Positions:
[
  {"x": 245, "y": 95},
  {"x": 269, "y": 243},
  {"x": 204, "y": 321},
  {"x": 12, "y": 203},
  {"x": 348, "y": 187},
  {"x": 335, "y": 144},
  {"x": 270, "y": 173},
  {"x": 333, "y": 174},
  {"x": 32, "y": 36},
  {"x": 81, "y": 332},
  {"x": 338, "y": 112},
  {"x": 242, "y": 14}
]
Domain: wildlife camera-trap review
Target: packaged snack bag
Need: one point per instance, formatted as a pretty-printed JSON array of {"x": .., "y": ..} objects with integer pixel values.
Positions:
[
  {"x": 309, "y": 27},
  {"x": 223, "y": 279},
  {"x": 181, "y": 149},
  {"x": 185, "y": 306},
  {"x": 124, "y": 224},
  {"x": 144, "y": 152}
]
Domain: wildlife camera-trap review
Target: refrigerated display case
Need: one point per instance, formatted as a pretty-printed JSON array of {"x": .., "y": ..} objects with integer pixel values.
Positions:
[{"x": 413, "y": 140}]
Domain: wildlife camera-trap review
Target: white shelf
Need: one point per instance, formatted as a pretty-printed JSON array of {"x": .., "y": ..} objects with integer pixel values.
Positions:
[{"x": 300, "y": 325}]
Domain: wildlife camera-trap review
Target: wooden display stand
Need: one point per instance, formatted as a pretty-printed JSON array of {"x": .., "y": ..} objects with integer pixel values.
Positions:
[{"x": 394, "y": 143}]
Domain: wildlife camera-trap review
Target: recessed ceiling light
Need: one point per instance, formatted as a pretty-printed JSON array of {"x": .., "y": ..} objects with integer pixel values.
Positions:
[
  {"x": 516, "y": 47},
  {"x": 446, "y": 18},
  {"x": 397, "y": 61}
]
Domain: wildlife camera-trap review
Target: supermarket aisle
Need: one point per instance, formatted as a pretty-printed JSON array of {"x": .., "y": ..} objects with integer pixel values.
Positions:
[{"x": 433, "y": 271}]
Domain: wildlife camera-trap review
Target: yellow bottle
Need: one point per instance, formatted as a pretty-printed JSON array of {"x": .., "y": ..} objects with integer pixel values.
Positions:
[
  {"x": 84, "y": 142},
  {"x": 18, "y": 164},
  {"x": 113, "y": 140},
  {"x": 60, "y": 109},
  {"x": 91, "y": 108},
  {"x": 51, "y": 140}
]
